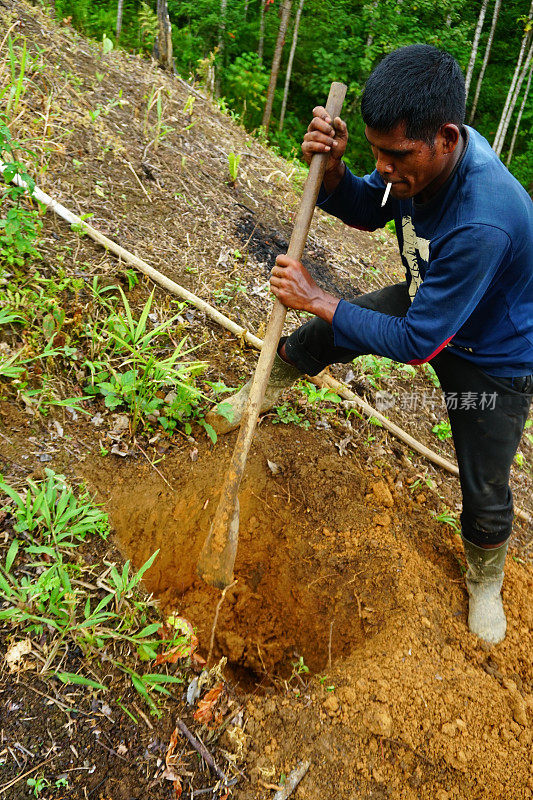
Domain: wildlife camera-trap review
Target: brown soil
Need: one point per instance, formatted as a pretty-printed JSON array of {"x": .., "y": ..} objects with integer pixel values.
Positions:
[
  {"x": 340, "y": 563},
  {"x": 342, "y": 568}
]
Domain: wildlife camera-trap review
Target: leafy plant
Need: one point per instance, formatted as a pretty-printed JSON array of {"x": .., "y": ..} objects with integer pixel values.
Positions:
[
  {"x": 230, "y": 290},
  {"x": 431, "y": 374},
  {"x": 442, "y": 430},
  {"x": 37, "y": 784},
  {"x": 107, "y": 44},
  {"x": 299, "y": 667},
  {"x": 316, "y": 395},
  {"x": 247, "y": 80},
  {"x": 288, "y": 415},
  {"x": 145, "y": 382},
  {"x": 15, "y": 88},
  {"x": 520, "y": 460},
  {"x": 20, "y": 227},
  {"x": 52, "y": 506},
  {"x": 377, "y": 368},
  {"x": 148, "y": 26},
  {"x": 448, "y": 518},
  {"x": 159, "y": 129},
  {"x": 233, "y": 164}
]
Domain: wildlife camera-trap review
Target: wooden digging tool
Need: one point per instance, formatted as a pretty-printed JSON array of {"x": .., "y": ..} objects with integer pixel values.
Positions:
[{"x": 217, "y": 557}]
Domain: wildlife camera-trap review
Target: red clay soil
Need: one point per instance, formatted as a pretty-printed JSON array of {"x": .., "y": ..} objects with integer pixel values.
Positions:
[{"x": 344, "y": 569}]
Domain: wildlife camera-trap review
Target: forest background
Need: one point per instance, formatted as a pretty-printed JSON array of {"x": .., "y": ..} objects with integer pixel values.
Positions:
[{"x": 230, "y": 48}]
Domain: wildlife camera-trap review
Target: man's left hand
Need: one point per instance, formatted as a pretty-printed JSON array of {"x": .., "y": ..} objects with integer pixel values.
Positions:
[{"x": 295, "y": 288}]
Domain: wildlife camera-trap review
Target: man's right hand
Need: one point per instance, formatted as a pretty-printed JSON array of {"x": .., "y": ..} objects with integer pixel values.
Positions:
[{"x": 325, "y": 135}]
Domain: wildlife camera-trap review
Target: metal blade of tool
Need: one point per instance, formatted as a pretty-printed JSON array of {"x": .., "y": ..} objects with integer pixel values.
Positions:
[{"x": 217, "y": 557}]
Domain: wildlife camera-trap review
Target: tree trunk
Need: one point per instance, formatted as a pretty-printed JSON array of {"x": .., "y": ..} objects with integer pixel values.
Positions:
[
  {"x": 164, "y": 37},
  {"x": 515, "y": 96},
  {"x": 285, "y": 14},
  {"x": 289, "y": 65},
  {"x": 370, "y": 36},
  {"x": 498, "y": 144},
  {"x": 519, "y": 118},
  {"x": 261, "y": 29},
  {"x": 497, "y": 6},
  {"x": 120, "y": 8},
  {"x": 475, "y": 44},
  {"x": 221, "y": 44}
]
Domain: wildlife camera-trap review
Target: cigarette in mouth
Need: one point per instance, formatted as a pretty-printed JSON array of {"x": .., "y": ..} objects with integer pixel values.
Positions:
[{"x": 386, "y": 195}]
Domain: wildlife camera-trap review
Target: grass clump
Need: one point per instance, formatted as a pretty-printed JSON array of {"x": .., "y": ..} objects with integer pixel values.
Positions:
[{"x": 51, "y": 594}]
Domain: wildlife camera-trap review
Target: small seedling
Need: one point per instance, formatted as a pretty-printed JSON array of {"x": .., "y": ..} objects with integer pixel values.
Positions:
[
  {"x": 316, "y": 395},
  {"x": 233, "y": 164},
  {"x": 299, "y": 667},
  {"x": 447, "y": 518},
  {"x": 442, "y": 430},
  {"x": 528, "y": 425},
  {"x": 107, "y": 44},
  {"x": 38, "y": 784},
  {"x": 287, "y": 415}
]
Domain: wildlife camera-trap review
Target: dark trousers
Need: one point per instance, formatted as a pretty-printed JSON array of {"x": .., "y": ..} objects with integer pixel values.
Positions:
[{"x": 487, "y": 415}]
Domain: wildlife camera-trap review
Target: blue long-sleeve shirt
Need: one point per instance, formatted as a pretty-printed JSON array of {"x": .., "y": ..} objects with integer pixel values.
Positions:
[{"x": 468, "y": 258}]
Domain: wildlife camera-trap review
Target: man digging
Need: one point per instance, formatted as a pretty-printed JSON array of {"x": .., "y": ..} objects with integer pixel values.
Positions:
[{"x": 465, "y": 233}]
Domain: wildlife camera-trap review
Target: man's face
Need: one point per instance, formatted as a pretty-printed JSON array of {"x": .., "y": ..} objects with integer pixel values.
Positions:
[{"x": 412, "y": 166}]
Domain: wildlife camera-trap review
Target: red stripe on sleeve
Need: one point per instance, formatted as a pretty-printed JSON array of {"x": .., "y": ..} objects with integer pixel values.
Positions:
[{"x": 435, "y": 352}]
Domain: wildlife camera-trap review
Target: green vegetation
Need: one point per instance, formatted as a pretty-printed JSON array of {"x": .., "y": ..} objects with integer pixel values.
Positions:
[
  {"x": 286, "y": 414},
  {"x": 60, "y": 327},
  {"x": 50, "y": 593},
  {"x": 347, "y": 50},
  {"x": 20, "y": 227},
  {"x": 378, "y": 368},
  {"x": 448, "y": 518},
  {"x": 442, "y": 430},
  {"x": 233, "y": 165}
]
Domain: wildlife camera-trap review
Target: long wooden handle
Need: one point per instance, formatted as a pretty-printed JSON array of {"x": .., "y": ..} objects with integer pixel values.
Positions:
[{"x": 226, "y": 507}]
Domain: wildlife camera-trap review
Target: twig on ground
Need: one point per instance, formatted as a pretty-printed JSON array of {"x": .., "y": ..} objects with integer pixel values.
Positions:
[
  {"x": 274, "y": 786},
  {"x": 267, "y": 505},
  {"x": 7, "y": 786},
  {"x": 329, "y": 642},
  {"x": 63, "y": 706},
  {"x": 139, "y": 182},
  {"x": 204, "y": 752},
  {"x": 213, "y": 629},
  {"x": 358, "y": 605},
  {"x": 293, "y": 780},
  {"x": 147, "y": 457},
  {"x": 143, "y": 716},
  {"x": 322, "y": 578},
  {"x": 110, "y": 750}
]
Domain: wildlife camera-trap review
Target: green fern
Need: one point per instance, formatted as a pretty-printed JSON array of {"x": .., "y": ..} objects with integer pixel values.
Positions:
[{"x": 148, "y": 26}]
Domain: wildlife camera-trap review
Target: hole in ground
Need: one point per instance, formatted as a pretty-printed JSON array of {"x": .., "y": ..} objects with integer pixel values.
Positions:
[{"x": 312, "y": 579}]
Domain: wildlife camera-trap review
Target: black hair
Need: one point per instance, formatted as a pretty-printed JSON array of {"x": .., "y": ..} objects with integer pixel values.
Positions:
[{"x": 419, "y": 85}]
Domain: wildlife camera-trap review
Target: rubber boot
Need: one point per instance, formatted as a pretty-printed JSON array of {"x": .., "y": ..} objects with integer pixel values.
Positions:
[
  {"x": 282, "y": 376},
  {"x": 484, "y": 578}
]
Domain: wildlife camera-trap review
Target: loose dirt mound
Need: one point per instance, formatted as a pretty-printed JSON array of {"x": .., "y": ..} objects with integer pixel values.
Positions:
[{"x": 344, "y": 569}]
